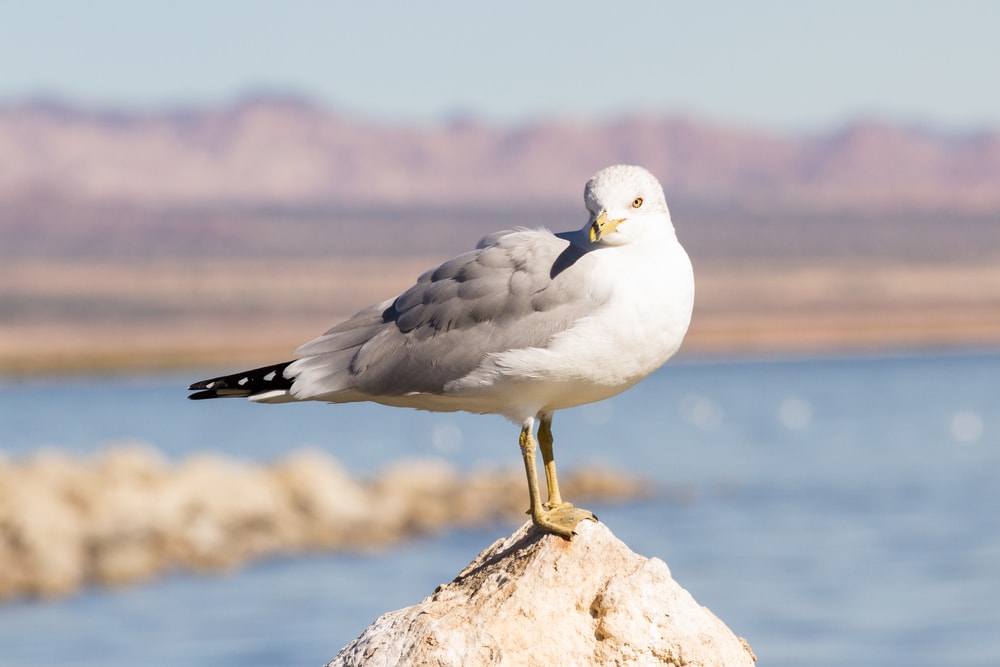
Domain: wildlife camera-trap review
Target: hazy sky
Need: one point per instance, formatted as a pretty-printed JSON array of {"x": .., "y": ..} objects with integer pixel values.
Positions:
[{"x": 793, "y": 65}]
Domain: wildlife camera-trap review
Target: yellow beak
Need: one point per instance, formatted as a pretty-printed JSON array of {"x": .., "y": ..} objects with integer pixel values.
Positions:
[{"x": 603, "y": 226}]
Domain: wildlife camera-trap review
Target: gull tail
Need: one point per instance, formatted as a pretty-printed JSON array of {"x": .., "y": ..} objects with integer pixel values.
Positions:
[{"x": 265, "y": 385}]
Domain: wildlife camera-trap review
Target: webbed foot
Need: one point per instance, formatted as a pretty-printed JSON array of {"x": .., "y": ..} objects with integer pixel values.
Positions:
[{"x": 561, "y": 519}]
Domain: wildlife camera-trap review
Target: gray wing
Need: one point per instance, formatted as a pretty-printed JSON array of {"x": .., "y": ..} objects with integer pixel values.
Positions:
[{"x": 515, "y": 290}]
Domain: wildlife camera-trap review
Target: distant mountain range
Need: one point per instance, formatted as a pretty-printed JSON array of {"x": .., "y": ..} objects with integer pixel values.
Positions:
[
  {"x": 274, "y": 150},
  {"x": 273, "y": 176}
]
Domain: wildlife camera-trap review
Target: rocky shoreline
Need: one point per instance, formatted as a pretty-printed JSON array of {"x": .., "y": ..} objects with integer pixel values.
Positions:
[{"x": 128, "y": 514}]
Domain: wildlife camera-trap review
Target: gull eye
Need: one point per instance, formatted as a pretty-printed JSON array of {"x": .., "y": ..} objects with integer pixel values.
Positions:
[{"x": 637, "y": 202}]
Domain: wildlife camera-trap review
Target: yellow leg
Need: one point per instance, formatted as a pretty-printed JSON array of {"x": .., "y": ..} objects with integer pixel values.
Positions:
[
  {"x": 527, "y": 443},
  {"x": 555, "y": 516},
  {"x": 549, "y": 461}
]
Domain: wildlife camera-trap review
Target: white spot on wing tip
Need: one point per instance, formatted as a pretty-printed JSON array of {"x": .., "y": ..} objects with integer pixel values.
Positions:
[
  {"x": 243, "y": 381},
  {"x": 275, "y": 396},
  {"x": 269, "y": 376}
]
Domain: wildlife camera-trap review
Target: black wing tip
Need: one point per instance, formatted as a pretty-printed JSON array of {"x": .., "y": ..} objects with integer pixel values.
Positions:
[
  {"x": 221, "y": 392},
  {"x": 241, "y": 385},
  {"x": 209, "y": 388},
  {"x": 201, "y": 395}
]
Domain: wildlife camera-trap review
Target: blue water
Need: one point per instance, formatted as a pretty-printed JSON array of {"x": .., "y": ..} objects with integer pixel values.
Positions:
[{"x": 832, "y": 511}]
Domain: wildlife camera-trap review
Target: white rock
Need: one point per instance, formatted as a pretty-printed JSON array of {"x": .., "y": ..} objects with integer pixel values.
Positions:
[{"x": 536, "y": 599}]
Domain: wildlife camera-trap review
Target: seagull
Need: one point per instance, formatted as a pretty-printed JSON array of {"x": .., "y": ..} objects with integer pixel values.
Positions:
[{"x": 527, "y": 323}]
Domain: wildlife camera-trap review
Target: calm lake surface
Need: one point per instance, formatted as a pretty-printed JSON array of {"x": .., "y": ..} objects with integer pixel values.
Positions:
[{"x": 840, "y": 511}]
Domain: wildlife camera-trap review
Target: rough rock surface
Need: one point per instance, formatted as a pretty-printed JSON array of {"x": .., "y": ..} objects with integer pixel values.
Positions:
[{"x": 536, "y": 599}]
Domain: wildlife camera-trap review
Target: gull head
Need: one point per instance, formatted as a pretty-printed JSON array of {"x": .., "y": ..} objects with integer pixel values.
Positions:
[{"x": 626, "y": 203}]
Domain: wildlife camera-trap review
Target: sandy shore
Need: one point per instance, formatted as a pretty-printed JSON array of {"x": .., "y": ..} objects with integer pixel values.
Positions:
[{"x": 94, "y": 316}]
